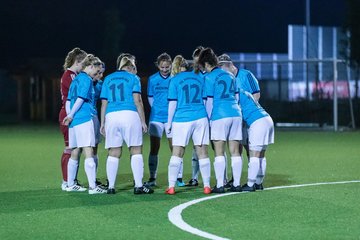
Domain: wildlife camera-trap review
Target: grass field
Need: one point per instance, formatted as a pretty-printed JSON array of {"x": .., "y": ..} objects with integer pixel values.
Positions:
[{"x": 34, "y": 207}]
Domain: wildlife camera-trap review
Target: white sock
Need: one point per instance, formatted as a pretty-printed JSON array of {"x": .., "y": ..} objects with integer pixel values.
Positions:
[
  {"x": 219, "y": 165},
  {"x": 226, "y": 167},
  {"x": 137, "y": 166},
  {"x": 205, "y": 169},
  {"x": 173, "y": 170},
  {"x": 153, "y": 165},
  {"x": 112, "y": 165},
  {"x": 194, "y": 165},
  {"x": 96, "y": 160},
  {"x": 254, "y": 166},
  {"x": 181, "y": 169},
  {"x": 90, "y": 170},
  {"x": 72, "y": 169},
  {"x": 261, "y": 174},
  {"x": 236, "y": 165}
]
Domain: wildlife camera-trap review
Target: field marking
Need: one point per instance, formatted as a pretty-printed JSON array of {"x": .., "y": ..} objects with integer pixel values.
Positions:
[{"x": 175, "y": 217}]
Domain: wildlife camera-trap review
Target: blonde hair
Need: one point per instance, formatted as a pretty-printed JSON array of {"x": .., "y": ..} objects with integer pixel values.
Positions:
[
  {"x": 91, "y": 60},
  {"x": 74, "y": 55},
  {"x": 178, "y": 63},
  {"x": 126, "y": 62}
]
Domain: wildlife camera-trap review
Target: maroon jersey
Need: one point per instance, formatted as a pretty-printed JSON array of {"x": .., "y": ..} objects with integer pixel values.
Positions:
[{"x": 66, "y": 80}]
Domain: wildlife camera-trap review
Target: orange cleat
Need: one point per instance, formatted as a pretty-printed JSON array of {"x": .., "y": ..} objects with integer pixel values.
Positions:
[
  {"x": 170, "y": 191},
  {"x": 207, "y": 190}
]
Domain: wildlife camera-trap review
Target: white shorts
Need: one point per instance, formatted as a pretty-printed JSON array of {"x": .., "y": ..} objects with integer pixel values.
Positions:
[
  {"x": 123, "y": 126},
  {"x": 198, "y": 130},
  {"x": 245, "y": 135},
  {"x": 82, "y": 135},
  {"x": 261, "y": 133},
  {"x": 226, "y": 129},
  {"x": 156, "y": 129},
  {"x": 96, "y": 129}
]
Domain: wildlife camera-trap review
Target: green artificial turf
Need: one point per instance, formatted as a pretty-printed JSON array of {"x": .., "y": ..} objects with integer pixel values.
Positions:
[{"x": 32, "y": 205}]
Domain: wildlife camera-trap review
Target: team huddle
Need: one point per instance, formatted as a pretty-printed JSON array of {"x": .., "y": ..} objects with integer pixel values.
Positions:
[{"x": 213, "y": 102}]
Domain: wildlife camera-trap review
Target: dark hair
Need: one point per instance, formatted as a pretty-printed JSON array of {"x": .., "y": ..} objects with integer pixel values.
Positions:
[
  {"x": 163, "y": 57},
  {"x": 197, "y": 51},
  {"x": 128, "y": 55},
  {"x": 207, "y": 56}
]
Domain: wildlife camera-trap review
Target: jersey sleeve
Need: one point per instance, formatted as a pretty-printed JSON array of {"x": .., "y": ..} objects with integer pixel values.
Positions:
[
  {"x": 137, "y": 85},
  {"x": 172, "y": 95},
  {"x": 150, "y": 91},
  {"x": 83, "y": 89},
  {"x": 104, "y": 90},
  {"x": 253, "y": 83},
  {"x": 209, "y": 86}
]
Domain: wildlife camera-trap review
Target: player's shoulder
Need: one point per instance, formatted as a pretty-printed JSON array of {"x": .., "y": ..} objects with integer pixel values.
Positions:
[{"x": 154, "y": 76}]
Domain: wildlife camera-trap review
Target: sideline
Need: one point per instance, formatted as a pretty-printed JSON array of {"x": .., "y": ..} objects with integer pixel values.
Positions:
[{"x": 175, "y": 217}]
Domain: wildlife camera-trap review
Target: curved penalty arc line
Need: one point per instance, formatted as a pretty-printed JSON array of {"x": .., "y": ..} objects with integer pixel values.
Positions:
[{"x": 175, "y": 217}]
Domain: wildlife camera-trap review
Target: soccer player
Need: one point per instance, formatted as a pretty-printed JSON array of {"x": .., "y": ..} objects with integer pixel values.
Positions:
[
  {"x": 187, "y": 119},
  {"x": 97, "y": 85},
  {"x": 225, "y": 116},
  {"x": 81, "y": 130},
  {"x": 72, "y": 67},
  {"x": 123, "y": 119},
  {"x": 194, "y": 160},
  {"x": 158, "y": 85},
  {"x": 261, "y": 134},
  {"x": 248, "y": 83}
]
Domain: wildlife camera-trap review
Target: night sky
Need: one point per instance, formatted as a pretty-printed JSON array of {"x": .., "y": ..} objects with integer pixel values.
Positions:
[{"x": 39, "y": 28}]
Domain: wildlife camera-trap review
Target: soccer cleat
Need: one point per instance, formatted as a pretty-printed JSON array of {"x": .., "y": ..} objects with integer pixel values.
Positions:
[
  {"x": 218, "y": 189},
  {"x": 76, "y": 188},
  {"x": 259, "y": 186},
  {"x": 64, "y": 186},
  {"x": 97, "y": 190},
  {"x": 150, "y": 183},
  {"x": 97, "y": 182},
  {"x": 192, "y": 183},
  {"x": 111, "y": 191},
  {"x": 229, "y": 184},
  {"x": 143, "y": 190},
  {"x": 105, "y": 185},
  {"x": 180, "y": 183},
  {"x": 77, "y": 182},
  {"x": 246, "y": 188},
  {"x": 170, "y": 191},
  {"x": 235, "y": 189},
  {"x": 207, "y": 190}
]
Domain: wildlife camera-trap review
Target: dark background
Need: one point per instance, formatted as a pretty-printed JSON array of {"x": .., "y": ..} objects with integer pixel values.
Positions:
[{"x": 49, "y": 29}]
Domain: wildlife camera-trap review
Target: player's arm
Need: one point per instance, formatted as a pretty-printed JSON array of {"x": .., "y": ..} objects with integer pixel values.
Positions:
[
  {"x": 151, "y": 100},
  {"x": 256, "y": 96},
  {"x": 104, "y": 103},
  {"x": 77, "y": 105},
  {"x": 140, "y": 109},
  {"x": 171, "y": 113}
]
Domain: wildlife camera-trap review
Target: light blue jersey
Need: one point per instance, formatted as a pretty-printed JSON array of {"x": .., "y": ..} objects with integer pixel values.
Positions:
[
  {"x": 251, "y": 109},
  {"x": 248, "y": 81},
  {"x": 118, "y": 89},
  {"x": 82, "y": 87},
  {"x": 187, "y": 88},
  {"x": 97, "y": 90},
  {"x": 222, "y": 87},
  {"x": 158, "y": 87}
]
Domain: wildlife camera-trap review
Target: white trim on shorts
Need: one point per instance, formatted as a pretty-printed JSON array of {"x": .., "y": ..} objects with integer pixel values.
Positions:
[{"x": 197, "y": 129}]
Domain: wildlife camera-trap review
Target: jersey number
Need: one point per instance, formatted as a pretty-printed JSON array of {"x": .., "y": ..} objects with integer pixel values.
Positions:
[
  {"x": 186, "y": 89},
  {"x": 113, "y": 88},
  {"x": 231, "y": 90}
]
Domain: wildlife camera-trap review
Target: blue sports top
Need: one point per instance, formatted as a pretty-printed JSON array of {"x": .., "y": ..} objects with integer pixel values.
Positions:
[
  {"x": 251, "y": 109},
  {"x": 97, "y": 90},
  {"x": 158, "y": 87},
  {"x": 82, "y": 87},
  {"x": 118, "y": 89},
  {"x": 187, "y": 88},
  {"x": 222, "y": 86},
  {"x": 248, "y": 81}
]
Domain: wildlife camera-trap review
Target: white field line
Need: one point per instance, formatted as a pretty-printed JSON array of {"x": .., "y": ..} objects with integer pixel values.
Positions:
[{"x": 175, "y": 217}]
